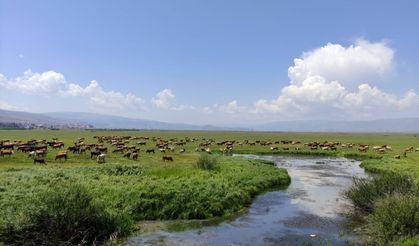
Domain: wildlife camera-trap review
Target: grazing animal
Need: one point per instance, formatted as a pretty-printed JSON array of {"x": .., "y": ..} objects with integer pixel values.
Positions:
[
  {"x": 274, "y": 148},
  {"x": 135, "y": 156},
  {"x": 101, "y": 158},
  {"x": 118, "y": 150},
  {"x": 127, "y": 155},
  {"x": 410, "y": 149},
  {"x": 286, "y": 148},
  {"x": 60, "y": 155},
  {"x": 417, "y": 150},
  {"x": 167, "y": 158},
  {"x": 149, "y": 151},
  {"x": 6, "y": 152},
  {"x": 32, "y": 154},
  {"x": 397, "y": 157},
  {"x": 182, "y": 151},
  {"x": 39, "y": 160},
  {"x": 94, "y": 154}
]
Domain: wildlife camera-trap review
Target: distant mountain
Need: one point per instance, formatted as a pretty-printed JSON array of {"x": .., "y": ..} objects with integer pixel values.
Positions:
[
  {"x": 380, "y": 125},
  {"x": 89, "y": 120},
  {"x": 109, "y": 121}
]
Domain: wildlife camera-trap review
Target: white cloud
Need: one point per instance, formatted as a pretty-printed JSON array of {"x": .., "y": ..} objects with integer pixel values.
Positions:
[
  {"x": 231, "y": 108},
  {"x": 359, "y": 63},
  {"x": 52, "y": 83},
  {"x": 337, "y": 81},
  {"x": 99, "y": 97},
  {"x": 35, "y": 83},
  {"x": 165, "y": 99}
]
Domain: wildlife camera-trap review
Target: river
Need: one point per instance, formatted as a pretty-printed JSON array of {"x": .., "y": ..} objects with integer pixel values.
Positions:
[{"x": 310, "y": 211}]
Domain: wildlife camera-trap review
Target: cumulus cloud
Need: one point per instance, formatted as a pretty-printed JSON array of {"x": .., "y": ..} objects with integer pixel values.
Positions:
[
  {"x": 97, "y": 96},
  {"x": 364, "y": 61},
  {"x": 52, "y": 83},
  {"x": 165, "y": 99},
  {"x": 231, "y": 108},
  {"x": 340, "y": 81},
  {"x": 35, "y": 83}
]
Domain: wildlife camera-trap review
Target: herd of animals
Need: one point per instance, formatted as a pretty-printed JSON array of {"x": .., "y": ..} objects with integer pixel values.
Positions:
[{"x": 130, "y": 147}]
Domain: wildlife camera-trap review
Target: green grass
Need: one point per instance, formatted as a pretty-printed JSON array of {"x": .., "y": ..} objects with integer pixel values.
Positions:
[{"x": 150, "y": 189}]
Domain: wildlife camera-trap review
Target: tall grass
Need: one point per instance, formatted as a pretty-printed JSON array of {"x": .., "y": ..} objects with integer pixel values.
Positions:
[
  {"x": 365, "y": 192},
  {"x": 390, "y": 202},
  {"x": 206, "y": 162},
  {"x": 395, "y": 217},
  {"x": 65, "y": 215}
]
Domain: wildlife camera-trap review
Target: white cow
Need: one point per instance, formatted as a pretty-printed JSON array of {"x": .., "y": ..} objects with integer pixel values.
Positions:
[{"x": 101, "y": 158}]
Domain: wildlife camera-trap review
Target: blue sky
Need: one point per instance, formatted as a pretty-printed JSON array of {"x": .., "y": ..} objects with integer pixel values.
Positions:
[{"x": 210, "y": 61}]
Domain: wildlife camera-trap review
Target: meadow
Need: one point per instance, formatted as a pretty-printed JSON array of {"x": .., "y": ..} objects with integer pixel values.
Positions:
[{"x": 122, "y": 192}]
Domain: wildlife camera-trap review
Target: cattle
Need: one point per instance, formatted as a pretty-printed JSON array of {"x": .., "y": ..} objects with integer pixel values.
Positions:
[
  {"x": 141, "y": 143},
  {"x": 382, "y": 151},
  {"x": 285, "y": 148},
  {"x": 135, "y": 156},
  {"x": 61, "y": 155},
  {"x": 101, "y": 158},
  {"x": 127, "y": 155},
  {"x": 121, "y": 150},
  {"x": 274, "y": 148},
  {"x": 208, "y": 150},
  {"x": 94, "y": 153},
  {"x": 409, "y": 149},
  {"x": 167, "y": 158},
  {"x": 32, "y": 154},
  {"x": 39, "y": 160},
  {"x": 417, "y": 150},
  {"x": 363, "y": 149},
  {"x": 7, "y": 152},
  {"x": 182, "y": 151},
  {"x": 41, "y": 153},
  {"x": 397, "y": 157},
  {"x": 149, "y": 151},
  {"x": 102, "y": 149}
]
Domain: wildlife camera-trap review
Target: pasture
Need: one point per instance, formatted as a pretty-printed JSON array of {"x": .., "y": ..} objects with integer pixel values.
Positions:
[{"x": 149, "y": 188}]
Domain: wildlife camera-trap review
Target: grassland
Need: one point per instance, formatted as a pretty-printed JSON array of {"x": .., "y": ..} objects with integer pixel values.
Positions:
[{"x": 150, "y": 189}]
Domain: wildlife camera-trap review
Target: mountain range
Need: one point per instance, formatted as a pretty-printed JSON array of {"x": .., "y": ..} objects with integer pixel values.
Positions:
[{"x": 93, "y": 120}]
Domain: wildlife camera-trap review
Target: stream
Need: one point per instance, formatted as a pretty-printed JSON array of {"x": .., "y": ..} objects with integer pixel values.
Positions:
[{"x": 310, "y": 211}]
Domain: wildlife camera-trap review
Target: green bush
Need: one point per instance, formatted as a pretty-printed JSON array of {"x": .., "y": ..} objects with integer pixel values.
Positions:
[
  {"x": 365, "y": 192},
  {"x": 65, "y": 215},
  {"x": 207, "y": 162},
  {"x": 395, "y": 218}
]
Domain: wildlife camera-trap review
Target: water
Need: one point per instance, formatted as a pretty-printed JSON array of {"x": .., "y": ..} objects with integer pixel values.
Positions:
[{"x": 309, "y": 212}]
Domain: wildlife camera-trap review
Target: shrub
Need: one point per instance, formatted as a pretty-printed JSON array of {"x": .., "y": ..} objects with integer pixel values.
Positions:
[
  {"x": 395, "y": 217},
  {"x": 67, "y": 215},
  {"x": 207, "y": 162},
  {"x": 365, "y": 192}
]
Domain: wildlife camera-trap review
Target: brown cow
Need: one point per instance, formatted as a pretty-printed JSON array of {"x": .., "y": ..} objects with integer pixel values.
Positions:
[
  {"x": 61, "y": 154},
  {"x": 6, "y": 152},
  {"x": 135, "y": 156},
  {"x": 39, "y": 160},
  {"x": 167, "y": 158}
]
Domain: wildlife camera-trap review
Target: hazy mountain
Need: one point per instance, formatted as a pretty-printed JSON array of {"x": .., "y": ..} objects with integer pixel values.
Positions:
[
  {"x": 82, "y": 120},
  {"x": 7, "y": 116},
  {"x": 109, "y": 121}
]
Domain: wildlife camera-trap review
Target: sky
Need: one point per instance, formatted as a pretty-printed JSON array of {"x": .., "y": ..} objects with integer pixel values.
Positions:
[{"x": 212, "y": 62}]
